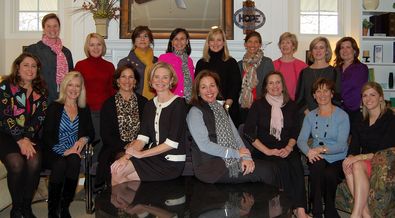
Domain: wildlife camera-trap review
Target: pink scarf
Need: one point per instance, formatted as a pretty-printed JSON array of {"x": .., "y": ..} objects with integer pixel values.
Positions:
[
  {"x": 277, "y": 119},
  {"x": 61, "y": 62}
]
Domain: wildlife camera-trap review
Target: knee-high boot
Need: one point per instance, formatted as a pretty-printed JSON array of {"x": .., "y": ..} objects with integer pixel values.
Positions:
[
  {"x": 67, "y": 197},
  {"x": 54, "y": 193},
  {"x": 27, "y": 208},
  {"x": 16, "y": 210}
]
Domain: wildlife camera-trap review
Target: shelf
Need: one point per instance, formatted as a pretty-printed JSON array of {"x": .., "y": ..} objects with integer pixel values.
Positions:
[
  {"x": 379, "y": 64},
  {"x": 388, "y": 90},
  {"x": 387, "y": 38},
  {"x": 375, "y": 12}
]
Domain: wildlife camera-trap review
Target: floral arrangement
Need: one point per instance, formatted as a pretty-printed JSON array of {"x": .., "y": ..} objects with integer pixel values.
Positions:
[{"x": 101, "y": 8}]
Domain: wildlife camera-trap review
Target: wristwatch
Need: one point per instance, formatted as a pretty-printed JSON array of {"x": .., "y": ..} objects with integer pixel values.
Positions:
[
  {"x": 227, "y": 106},
  {"x": 364, "y": 157}
]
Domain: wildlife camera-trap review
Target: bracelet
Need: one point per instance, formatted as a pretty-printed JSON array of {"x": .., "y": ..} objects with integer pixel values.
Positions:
[{"x": 364, "y": 157}]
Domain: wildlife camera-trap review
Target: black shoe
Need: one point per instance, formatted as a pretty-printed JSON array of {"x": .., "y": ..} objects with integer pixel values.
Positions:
[{"x": 16, "y": 211}]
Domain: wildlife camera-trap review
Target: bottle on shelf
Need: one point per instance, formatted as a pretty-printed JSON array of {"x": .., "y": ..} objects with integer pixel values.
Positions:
[{"x": 391, "y": 80}]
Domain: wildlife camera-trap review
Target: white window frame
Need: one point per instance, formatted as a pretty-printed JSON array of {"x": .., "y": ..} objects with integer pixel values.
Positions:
[
  {"x": 37, "y": 11},
  {"x": 12, "y": 27},
  {"x": 340, "y": 27}
]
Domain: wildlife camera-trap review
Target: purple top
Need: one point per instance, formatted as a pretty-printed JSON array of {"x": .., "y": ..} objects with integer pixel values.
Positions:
[{"x": 352, "y": 80}]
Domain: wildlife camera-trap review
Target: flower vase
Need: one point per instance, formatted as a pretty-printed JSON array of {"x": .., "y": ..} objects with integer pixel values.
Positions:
[
  {"x": 370, "y": 4},
  {"x": 101, "y": 26}
]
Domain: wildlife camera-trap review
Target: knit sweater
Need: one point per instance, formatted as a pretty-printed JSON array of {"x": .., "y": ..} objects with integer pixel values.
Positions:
[{"x": 97, "y": 74}]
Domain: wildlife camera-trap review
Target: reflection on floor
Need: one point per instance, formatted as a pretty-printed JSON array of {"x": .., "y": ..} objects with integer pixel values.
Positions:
[{"x": 171, "y": 197}]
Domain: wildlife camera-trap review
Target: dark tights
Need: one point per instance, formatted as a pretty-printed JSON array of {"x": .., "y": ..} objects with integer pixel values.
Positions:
[
  {"x": 65, "y": 167},
  {"x": 22, "y": 175}
]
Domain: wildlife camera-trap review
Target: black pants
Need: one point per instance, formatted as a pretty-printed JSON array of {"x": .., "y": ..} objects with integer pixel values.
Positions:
[
  {"x": 63, "y": 167},
  {"x": 325, "y": 177}
]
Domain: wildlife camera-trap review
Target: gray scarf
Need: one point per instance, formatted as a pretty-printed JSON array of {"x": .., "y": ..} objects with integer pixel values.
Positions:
[
  {"x": 250, "y": 79},
  {"x": 186, "y": 73},
  {"x": 225, "y": 137}
]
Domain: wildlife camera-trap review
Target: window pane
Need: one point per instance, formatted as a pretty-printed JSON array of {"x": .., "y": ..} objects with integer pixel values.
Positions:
[
  {"x": 308, "y": 5},
  {"x": 309, "y": 24},
  {"x": 328, "y": 24},
  {"x": 48, "y": 5},
  {"x": 28, "y": 5},
  {"x": 328, "y": 5},
  {"x": 28, "y": 21}
]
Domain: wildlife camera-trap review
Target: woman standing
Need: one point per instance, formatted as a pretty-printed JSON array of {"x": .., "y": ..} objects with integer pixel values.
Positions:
[
  {"x": 329, "y": 126},
  {"x": 354, "y": 75},
  {"x": 219, "y": 154},
  {"x": 142, "y": 58},
  {"x": 287, "y": 64},
  {"x": 158, "y": 153},
  {"x": 177, "y": 54},
  {"x": 67, "y": 129},
  {"x": 121, "y": 116},
  {"x": 274, "y": 137},
  {"x": 217, "y": 59},
  {"x": 97, "y": 74},
  {"x": 373, "y": 133},
  {"x": 56, "y": 60},
  {"x": 254, "y": 67},
  {"x": 23, "y": 104},
  {"x": 320, "y": 54}
]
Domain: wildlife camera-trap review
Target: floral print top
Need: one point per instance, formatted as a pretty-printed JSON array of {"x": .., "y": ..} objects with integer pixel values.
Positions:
[{"x": 20, "y": 115}]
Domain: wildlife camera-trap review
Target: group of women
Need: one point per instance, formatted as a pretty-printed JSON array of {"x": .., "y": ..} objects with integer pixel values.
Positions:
[{"x": 145, "y": 105}]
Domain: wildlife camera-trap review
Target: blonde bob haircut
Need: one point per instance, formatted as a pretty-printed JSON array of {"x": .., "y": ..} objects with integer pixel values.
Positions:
[
  {"x": 328, "y": 49},
  {"x": 291, "y": 37},
  {"x": 63, "y": 85},
  {"x": 170, "y": 70},
  {"x": 210, "y": 37},
  {"x": 98, "y": 37},
  {"x": 379, "y": 90}
]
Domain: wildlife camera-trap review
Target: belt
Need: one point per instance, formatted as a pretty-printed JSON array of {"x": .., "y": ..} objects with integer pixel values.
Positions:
[{"x": 173, "y": 157}]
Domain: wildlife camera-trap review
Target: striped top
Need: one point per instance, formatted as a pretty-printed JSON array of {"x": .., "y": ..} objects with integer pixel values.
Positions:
[{"x": 68, "y": 133}]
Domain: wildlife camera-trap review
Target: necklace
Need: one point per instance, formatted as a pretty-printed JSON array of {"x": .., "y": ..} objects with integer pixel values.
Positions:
[{"x": 321, "y": 137}]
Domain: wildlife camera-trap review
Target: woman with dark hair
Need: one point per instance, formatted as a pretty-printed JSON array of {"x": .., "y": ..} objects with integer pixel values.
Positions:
[
  {"x": 253, "y": 69},
  {"x": 320, "y": 54},
  {"x": 354, "y": 75},
  {"x": 177, "y": 54},
  {"x": 23, "y": 104},
  {"x": 158, "y": 153},
  {"x": 120, "y": 117},
  {"x": 216, "y": 58},
  {"x": 218, "y": 153},
  {"x": 329, "y": 127},
  {"x": 67, "y": 129},
  {"x": 56, "y": 60},
  {"x": 141, "y": 57},
  {"x": 373, "y": 132},
  {"x": 274, "y": 137}
]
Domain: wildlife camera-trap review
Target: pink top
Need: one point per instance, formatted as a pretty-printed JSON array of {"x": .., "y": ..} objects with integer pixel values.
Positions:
[
  {"x": 291, "y": 71},
  {"x": 176, "y": 62}
]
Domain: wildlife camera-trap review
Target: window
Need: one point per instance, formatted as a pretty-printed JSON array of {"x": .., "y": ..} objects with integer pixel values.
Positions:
[
  {"x": 31, "y": 12},
  {"x": 319, "y": 17}
]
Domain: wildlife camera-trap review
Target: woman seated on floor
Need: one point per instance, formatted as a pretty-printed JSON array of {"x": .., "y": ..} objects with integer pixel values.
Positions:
[
  {"x": 120, "y": 117},
  {"x": 373, "y": 132},
  {"x": 329, "y": 127},
  {"x": 158, "y": 153},
  {"x": 218, "y": 153},
  {"x": 67, "y": 129},
  {"x": 274, "y": 135}
]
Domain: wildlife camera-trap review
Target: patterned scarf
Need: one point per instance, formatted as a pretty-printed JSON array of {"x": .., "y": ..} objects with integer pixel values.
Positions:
[
  {"x": 250, "y": 79},
  {"x": 277, "y": 119},
  {"x": 225, "y": 137},
  {"x": 147, "y": 58},
  {"x": 186, "y": 73},
  {"x": 128, "y": 117},
  {"x": 62, "y": 67}
]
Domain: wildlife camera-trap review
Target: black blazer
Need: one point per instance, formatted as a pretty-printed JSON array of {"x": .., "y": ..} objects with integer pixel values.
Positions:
[
  {"x": 109, "y": 127},
  {"x": 52, "y": 123}
]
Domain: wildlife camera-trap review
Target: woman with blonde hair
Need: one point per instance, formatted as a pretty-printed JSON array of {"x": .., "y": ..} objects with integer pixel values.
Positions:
[
  {"x": 320, "y": 54},
  {"x": 287, "y": 64},
  {"x": 158, "y": 153},
  {"x": 67, "y": 129},
  {"x": 217, "y": 59},
  {"x": 373, "y": 132}
]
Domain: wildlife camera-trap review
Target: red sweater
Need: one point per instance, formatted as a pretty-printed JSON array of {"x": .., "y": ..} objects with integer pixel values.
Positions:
[{"x": 97, "y": 74}]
